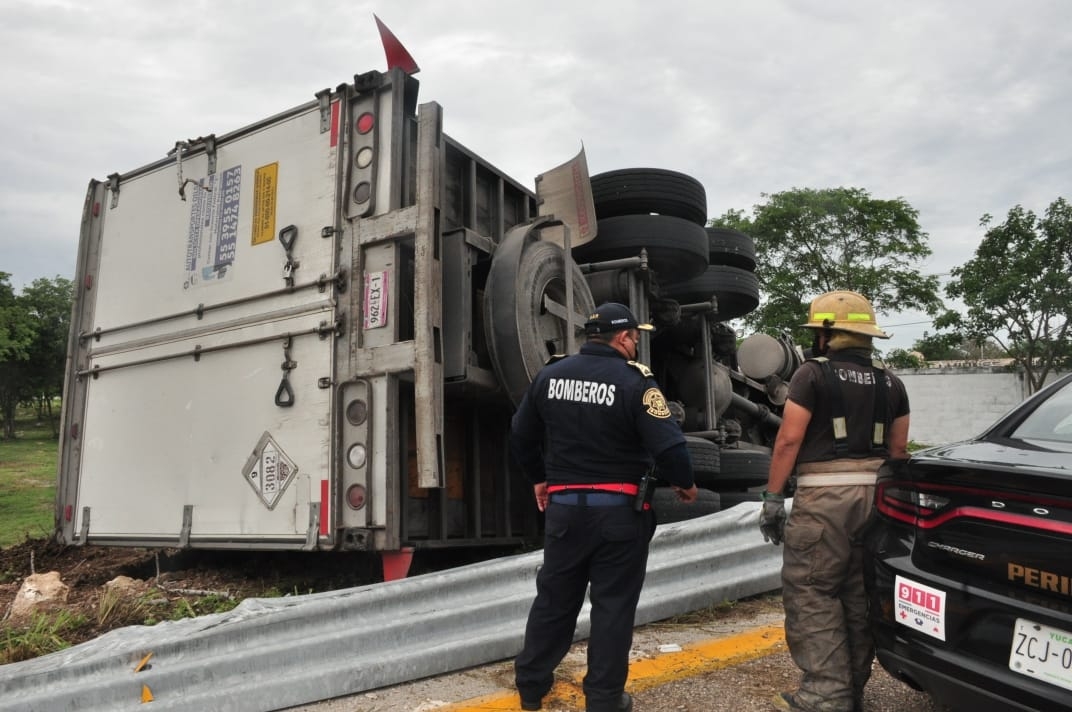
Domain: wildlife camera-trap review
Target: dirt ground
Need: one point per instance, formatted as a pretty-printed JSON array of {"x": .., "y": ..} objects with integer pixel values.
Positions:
[{"x": 180, "y": 580}]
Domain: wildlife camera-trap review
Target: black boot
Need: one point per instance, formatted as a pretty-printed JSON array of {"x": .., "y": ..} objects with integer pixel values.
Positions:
[{"x": 625, "y": 704}]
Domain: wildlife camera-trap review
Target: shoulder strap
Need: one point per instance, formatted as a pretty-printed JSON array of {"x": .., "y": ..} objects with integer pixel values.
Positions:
[
  {"x": 881, "y": 416},
  {"x": 644, "y": 370},
  {"x": 837, "y": 407}
]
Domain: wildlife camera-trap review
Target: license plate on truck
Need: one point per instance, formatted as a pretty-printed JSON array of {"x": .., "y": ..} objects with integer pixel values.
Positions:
[{"x": 1042, "y": 652}]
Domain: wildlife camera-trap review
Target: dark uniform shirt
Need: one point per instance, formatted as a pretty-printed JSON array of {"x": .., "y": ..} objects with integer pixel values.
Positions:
[
  {"x": 593, "y": 417},
  {"x": 808, "y": 388}
]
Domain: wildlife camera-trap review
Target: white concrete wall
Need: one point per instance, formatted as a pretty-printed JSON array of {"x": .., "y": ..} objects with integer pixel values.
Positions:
[{"x": 950, "y": 404}]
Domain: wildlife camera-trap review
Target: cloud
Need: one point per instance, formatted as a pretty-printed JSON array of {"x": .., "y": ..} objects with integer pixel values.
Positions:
[{"x": 957, "y": 106}]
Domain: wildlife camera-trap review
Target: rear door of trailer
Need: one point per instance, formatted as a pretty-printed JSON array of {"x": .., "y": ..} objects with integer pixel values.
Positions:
[{"x": 199, "y": 400}]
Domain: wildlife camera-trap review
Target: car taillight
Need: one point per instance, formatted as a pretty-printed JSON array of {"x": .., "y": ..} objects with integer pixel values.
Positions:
[
  {"x": 357, "y": 453},
  {"x": 363, "y": 149},
  {"x": 356, "y": 496},
  {"x": 928, "y": 506},
  {"x": 907, "y": 504}
]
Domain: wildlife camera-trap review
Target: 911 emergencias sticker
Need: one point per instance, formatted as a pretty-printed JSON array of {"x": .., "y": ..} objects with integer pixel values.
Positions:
[{"x": 920, "y": 607}]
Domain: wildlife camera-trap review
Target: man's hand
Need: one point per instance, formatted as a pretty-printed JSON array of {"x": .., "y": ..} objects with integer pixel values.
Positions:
[
  {"x": 541, "y": 495},
  {"x": 772, "y": 518},
  {"x": 686, "y": 495}
]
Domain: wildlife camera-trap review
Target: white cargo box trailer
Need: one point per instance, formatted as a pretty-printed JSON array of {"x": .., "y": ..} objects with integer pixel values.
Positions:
[
  {"x": 279, "y": 338},
  {"x": 311, "y": 333}
]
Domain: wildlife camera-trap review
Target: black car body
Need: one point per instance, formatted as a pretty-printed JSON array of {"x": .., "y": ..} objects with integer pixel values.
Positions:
[{"x": 969, "y": 563}]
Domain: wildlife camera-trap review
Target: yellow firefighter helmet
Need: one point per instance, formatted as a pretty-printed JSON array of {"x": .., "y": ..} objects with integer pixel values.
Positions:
[{"x": 845, "y": 311}]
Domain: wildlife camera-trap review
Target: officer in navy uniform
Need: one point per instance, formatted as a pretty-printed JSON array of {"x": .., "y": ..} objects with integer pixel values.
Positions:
[{"x": 587, "y": 431}]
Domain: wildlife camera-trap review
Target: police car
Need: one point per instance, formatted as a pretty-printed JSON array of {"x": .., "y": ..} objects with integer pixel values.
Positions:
[{"x": 968, "y": 565}]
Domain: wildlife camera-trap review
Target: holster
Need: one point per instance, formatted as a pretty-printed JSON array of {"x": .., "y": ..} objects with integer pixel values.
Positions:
[{"x": 645, "y": 493}]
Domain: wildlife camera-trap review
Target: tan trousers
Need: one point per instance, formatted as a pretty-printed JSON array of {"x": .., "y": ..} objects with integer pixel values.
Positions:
[{"x": 824, "y": 598}]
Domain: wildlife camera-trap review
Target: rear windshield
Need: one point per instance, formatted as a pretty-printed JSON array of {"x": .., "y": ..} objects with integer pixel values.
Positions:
[{"x": 1051, "y": 420}]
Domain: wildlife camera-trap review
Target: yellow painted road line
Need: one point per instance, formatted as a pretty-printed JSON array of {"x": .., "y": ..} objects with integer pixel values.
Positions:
[{"x": 645, "y": 674}]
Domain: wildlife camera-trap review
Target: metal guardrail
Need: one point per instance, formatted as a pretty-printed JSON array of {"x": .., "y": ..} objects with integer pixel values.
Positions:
[{"x": 269, "y": 654}]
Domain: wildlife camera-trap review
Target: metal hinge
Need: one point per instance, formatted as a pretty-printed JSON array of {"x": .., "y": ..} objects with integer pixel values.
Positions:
[
  {"x": 113, "y": 185},
  {"x": 187, "y": 526},
  {"x": 338, "y": 279},
  {"x": 327, "y": 329},
  {"x": 323, "y": 97}
]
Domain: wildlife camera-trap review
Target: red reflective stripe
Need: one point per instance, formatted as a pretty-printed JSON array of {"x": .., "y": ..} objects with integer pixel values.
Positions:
[
  {"x": 618, "y": 487},
  {"x": 324, "y": 507},
  {"x": 334, "y": 124}
]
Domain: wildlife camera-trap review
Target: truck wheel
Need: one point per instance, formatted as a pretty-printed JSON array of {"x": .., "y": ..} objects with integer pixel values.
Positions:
[
  {"x": 742, "y": 469},
  {"x": 731, "y": 247},
  {"x": 676, "y": 248},
  {"x": 705, "y": 460},
  {"x": 668, "y": 508},
  {"x": 640, "y": 191},
  {"x": 525, "y": 308},
  {"x": 736, "y": 290}
]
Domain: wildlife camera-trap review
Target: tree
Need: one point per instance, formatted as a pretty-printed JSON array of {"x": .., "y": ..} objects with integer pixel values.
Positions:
[
  {"x": 1017, "y": 289},
  {"x": 16, "y": 340},
  {"x": 941, "y": 347},
  {"x": 49, "y": 304},
  {"x": 33, "y": 346},
  {"x": 899, "y": 358},
  {"x": 814, "y": 241},
  {"x": 952, "y": 346}
]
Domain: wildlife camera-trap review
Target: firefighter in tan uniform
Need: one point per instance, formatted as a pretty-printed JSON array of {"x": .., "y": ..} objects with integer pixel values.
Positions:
[{"x": 845, "y": 415}]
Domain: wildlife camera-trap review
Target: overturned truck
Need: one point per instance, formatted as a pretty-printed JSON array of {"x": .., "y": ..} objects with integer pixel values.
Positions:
[{"x": 310, "y": 333}]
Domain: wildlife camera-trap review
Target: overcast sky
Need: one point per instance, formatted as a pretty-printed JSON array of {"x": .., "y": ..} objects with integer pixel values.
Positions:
[{"x": 961, "y": 107}]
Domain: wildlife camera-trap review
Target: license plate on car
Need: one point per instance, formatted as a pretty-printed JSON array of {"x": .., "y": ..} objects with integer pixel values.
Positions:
[{"x": 1042, "y": 652}]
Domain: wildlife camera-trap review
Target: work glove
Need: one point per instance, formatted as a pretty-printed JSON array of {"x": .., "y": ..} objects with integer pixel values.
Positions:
[{"x": 772, "y": 518}]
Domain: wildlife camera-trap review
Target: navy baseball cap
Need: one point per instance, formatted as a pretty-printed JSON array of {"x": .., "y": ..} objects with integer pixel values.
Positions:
[{"x": 611, "y": 317}]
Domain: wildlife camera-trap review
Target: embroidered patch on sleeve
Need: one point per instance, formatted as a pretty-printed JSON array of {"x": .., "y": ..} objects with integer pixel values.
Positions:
[{"x": 656, "y": 403}]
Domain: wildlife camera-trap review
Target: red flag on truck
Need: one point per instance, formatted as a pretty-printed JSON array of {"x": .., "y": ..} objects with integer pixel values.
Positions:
[{"x": 397, "y": 56}]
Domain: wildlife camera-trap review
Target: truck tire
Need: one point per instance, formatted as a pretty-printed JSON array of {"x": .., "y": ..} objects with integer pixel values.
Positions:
[
  {"x": 705, "y": 460},
  {"x": 742, "y": 468},
  {"x": 640, "y": 191},
  {"x": 526, "y": 277},
  {"x": 669, "y": 509},
  {"x": 735, "y": 289},
  {"x": 677, "y": 249},
  {"x": 731, "y": 247}
]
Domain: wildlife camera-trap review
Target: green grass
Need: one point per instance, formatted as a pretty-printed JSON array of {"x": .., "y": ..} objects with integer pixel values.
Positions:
[
  {"x": 44, "y": 634},
  {"x": 27, "y": 480}
]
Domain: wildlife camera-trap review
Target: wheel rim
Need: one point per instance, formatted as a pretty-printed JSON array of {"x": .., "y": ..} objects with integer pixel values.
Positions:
[{"x": 525, "y": 306}]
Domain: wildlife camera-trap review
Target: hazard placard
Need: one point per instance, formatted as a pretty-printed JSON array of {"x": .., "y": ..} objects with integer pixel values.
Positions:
[{"x": 268, "y": 471}]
